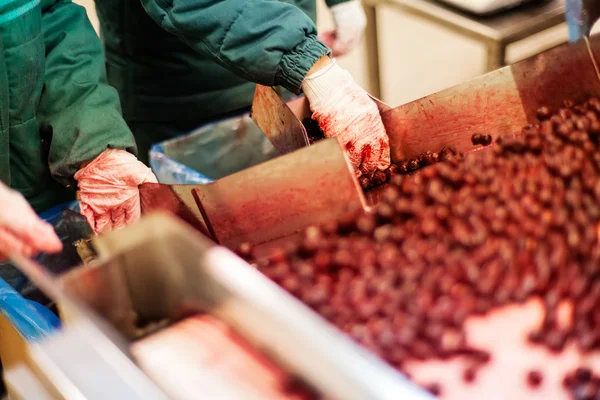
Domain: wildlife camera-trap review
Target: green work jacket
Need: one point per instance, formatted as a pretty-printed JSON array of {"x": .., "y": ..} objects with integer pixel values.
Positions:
[
  {"x": 56, "y": 111},
  {"x": 193, "y": 60}
]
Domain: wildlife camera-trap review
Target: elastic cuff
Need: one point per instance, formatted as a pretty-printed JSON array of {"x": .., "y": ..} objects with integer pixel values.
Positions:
[
  {"x": 321, "y": 71},
  {"x": 64, "y": 171},
  {"x": 296, "y": 64}
]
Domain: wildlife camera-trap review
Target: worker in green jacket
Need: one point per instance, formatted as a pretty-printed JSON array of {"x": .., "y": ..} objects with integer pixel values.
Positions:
[
  {"x": 60, "y": 126},
  {"x": 178, "y": 64}
]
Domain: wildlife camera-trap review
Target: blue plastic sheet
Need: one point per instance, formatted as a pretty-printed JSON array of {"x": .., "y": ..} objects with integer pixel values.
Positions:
[
  {"x": 30, "y": 319},
  {"x": 53, "y": 214},
  {"x": 211, "y": 152}
]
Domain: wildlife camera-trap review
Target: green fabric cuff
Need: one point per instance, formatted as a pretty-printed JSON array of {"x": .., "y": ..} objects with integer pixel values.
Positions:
[
  {"x": 296, "y": 64},
  {"x": 331, "y": 3},
  {"x": 64, "y": 169}
]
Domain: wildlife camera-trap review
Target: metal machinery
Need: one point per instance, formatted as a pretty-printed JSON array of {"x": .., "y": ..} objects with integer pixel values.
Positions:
[
  {"x": 159, "y": 272},
  {"x": 495, "y": 33},
  {"x": 151, "y": 277}
]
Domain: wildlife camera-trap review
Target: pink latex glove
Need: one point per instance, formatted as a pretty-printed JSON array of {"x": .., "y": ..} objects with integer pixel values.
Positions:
[
  {"x": 22, "y": 232},
  {"x": 345, "y": 111},
  {"x": 108, "y": 189},
  {"x": 350, "y": 23}
]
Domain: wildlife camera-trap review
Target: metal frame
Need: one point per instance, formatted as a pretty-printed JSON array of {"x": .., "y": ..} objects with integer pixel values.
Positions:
[
  {"x": 160, "y": 268},
  {"x": 495, "y": 32},
  {"x": 59, "y": 367}
]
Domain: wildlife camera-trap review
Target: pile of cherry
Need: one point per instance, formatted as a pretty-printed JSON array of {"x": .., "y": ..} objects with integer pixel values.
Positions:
[
  {"x": 462, "y": 237},
  {"x": 406, "y": 166}
]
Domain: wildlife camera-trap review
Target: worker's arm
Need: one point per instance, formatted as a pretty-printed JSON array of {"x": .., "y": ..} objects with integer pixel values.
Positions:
[
  {"x": 268, "y": 42},
  {"x": 275, "y": 43},
  {"x": 83, "y": 113},
  {"x": 77, "y": 104}
]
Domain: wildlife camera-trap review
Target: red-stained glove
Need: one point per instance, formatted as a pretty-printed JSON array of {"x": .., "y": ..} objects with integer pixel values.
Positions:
[
  {"x": 22, "y": 232},
  {"x": 108, "y": 189},
  {"x": 350, "y": 23},
  {"x": 345, "y": 111}
]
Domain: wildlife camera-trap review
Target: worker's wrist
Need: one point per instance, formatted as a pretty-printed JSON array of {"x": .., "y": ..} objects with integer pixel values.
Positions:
[
  {"x": 296, "y": 64},
  {"x": 321, "y": 64},
  {"x": 325, "y": 82},
  {"x": 88, "y": 162}
]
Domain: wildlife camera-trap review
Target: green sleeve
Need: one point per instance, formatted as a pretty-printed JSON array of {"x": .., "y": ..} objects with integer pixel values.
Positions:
[
  {"x": 264, "y": 41},
  {"x": 77, "y": 105},
  {"x": 331, "y": 3}
]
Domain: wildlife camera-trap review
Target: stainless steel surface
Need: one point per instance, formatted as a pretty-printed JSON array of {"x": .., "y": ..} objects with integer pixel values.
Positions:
[
  {"x": 496, "y": 32},
  {"x": 161, "y": 268},
  {"x": 277, "y": 121},
  {"x": 82, "y": 363},
  {"x": 24, "y": 384},
  {"x": 210, "y": 358},
  {"x": 581, "y": 17},
  {"x": 277, "y": 198},
  {"x": 498, "y": 103},
  {"x": 86, "y": 359}
]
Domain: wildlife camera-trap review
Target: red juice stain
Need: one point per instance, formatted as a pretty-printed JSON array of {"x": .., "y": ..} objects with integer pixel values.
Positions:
[{"x": 365, "y": 153}]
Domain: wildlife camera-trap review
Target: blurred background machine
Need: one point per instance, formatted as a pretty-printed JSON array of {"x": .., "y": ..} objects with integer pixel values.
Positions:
[{"x": 492, "y": 39}]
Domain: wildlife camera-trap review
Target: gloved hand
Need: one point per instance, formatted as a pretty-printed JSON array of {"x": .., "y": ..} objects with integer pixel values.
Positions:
[
  {"x": 108, "y": 189},
  {"x": 350, "y": 23},
  {"x": 22, "y": 232},
  {"x": 345, "y": 111}
]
